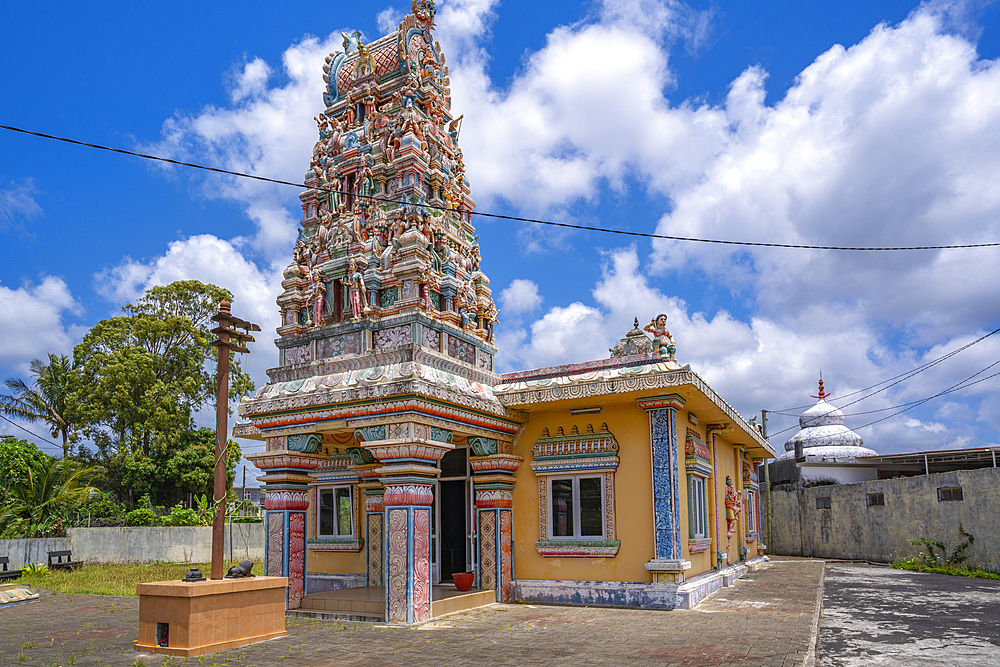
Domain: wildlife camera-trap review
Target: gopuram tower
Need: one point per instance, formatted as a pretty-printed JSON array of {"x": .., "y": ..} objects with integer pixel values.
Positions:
[{"x": 386, "y": 337}]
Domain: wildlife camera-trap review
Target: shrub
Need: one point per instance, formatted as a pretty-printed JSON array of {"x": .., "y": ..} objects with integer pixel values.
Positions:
[
  {"x": 182, "y": 517},
  {"x": 144, "y": 516},
  {"x": 102, "y": 506},
  {"x": 37, "y": 569}
]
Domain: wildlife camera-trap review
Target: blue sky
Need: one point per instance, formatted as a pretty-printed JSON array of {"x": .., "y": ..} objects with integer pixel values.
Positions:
[{"x": 865, "y": 123}]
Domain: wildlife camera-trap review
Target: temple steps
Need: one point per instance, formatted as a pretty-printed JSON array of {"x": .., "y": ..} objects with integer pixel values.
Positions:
[{"x": 368, "y": 603}]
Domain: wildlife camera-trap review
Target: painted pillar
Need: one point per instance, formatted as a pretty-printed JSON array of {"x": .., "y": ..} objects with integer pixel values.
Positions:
[
  {"x": 408, "y": 472},
  {"x": 493, "y": 478},
  {"x": 287, "y": 463},
  {"x": 667, "y": 564},
  {"x": 373, "y": 493}
]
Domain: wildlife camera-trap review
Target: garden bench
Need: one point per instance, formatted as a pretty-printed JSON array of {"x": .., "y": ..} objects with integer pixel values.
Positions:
[
  {"x": 60, "y": 564},
  {"x": 8, "y": 574}
]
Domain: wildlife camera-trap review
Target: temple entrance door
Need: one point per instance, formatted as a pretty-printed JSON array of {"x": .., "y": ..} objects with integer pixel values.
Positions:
[{"x": 454, "y": 512}]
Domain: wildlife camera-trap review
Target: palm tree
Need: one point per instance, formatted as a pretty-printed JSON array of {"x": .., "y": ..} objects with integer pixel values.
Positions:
[
  {"x": 49, "y": 399},
  {"x": 40, "y": 505}
]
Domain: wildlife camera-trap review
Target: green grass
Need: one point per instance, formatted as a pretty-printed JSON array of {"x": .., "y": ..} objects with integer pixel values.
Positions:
[
  {"x": 916, "y": 566},
  {"x": 115, "y": 579}
]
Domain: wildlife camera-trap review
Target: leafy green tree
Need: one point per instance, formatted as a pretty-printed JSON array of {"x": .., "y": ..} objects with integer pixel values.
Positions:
[
  {"x": 146, "y": 372},
  {"x": 17, "y": 458},
  {"x": 47, "y": 399},
  {"x": 40, "y": 505}
]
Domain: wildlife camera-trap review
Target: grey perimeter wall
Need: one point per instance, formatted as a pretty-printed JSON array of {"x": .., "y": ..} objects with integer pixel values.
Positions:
[
  {"x": 852, "y": 530},
  {"x": 180, "y": 544}
]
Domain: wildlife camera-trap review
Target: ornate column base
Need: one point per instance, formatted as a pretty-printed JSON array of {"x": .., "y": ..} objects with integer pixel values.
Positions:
[{"x": 668, "y": 570}]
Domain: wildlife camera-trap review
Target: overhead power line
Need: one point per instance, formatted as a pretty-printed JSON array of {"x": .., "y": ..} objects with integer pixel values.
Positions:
[
  {"x": 45, "y": 441},
  {"x": 964, "y": 384},
  {"x": 902, "y": 377},
  {"x": 552, "y": 223}
]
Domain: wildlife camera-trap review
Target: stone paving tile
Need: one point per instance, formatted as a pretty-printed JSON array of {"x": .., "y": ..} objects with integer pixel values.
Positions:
[{"x": 765, "y": 619}]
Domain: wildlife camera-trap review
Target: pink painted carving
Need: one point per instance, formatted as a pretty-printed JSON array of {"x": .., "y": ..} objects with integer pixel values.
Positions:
[
  {"x": 297, "y": 355},
  {"x": 408, "y": 494},
  {"x": 396, "y": 613},
  {"x": 296, "y": 558},
  {"x": 506, "y": 571},
  {"x": 392, "y": 337},
  {"x": 421, "y": 566},
  {"x": 275, "y": 545}
]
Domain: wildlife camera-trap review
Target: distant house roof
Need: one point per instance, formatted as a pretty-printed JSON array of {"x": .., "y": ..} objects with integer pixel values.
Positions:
[{"x": 941, "y": 460}]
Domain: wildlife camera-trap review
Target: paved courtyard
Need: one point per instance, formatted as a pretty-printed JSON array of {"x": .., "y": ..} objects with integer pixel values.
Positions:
[
  {"x": 871, "y": 616},
  {"x": 766, "y": 619},
  {"x": 879, "y": 617}
]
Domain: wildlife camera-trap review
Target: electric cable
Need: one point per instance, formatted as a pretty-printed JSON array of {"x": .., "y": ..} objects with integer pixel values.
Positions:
[
  {"x": 909, "y": 373},
  {"x": 964, "y": 384},
  {"x": 45, "y": 441},
  {"x": 385, "y": 200}
]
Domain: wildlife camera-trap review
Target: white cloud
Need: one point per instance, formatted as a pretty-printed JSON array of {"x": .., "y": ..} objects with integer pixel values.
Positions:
[
  {"x": 586, "y": 109},
  {"x": 388, "y": 19},
  {"x": 17, "y": 203},
  {"x": 32, "y": 322},
  {"x": 933, "y": 427},
  {"x": 893, "y": 141},
  {"x": 210, "y": 260},
  {"x": 268, "y": 131},
  {"x": 521, "y": 296},
  {"x": 250, "y": 80}
]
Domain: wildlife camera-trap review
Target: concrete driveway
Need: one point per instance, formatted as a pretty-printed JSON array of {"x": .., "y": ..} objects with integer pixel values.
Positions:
[{"x": 880, "y": 617}]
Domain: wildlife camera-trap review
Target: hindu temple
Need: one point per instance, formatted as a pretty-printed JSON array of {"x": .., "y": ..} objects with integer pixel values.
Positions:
[{"x": 398, "y": 463}]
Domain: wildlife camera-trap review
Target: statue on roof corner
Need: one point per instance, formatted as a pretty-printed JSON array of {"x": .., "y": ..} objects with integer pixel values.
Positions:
[{"x": 663, "y": 342}]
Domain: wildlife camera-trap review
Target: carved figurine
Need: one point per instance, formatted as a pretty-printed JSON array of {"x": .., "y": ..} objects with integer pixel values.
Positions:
[
  {"x": 663, "y": 342},
  {"x": 318, "y": 299},
  {"x": 356, "y": 282},
  {"x": 733, "y": 507}
]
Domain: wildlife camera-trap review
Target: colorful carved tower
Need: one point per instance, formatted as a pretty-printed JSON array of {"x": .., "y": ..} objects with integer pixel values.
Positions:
[{"x": 386, "y": 336}]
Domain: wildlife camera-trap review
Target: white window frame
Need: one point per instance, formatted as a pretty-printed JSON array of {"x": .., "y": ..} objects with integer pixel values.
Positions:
[
  {"x": 698, "y": 503},
  {"x": 753, "y": 527},
  {"x": 576, "y": 536},
  {"x": 319, "y": 508}
]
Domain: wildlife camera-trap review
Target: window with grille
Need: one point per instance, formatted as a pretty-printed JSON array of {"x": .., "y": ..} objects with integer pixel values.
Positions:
[
  {"x": 824, "y": 503},
  {"x": 875, "y": 499},
  {"x": 950, "y": 493}
]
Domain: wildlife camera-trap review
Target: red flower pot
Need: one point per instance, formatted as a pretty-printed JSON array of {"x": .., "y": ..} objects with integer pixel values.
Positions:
[{"x": 463, "y": 580}]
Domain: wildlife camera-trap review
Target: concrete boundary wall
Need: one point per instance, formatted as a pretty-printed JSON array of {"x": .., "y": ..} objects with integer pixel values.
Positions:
[
  {"x": 140, "y": 544},
  {"x": 851, "y": 529}
]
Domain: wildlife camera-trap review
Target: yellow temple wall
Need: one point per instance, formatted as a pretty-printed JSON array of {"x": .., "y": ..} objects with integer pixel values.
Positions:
[
  {"x": 633, "y": 498},
  {"x": 335, "y": 562}
]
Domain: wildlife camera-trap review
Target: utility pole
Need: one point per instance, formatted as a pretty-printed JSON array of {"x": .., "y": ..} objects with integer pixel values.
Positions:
[
  {"x": 767, "y": 482},
  {"x": 229, "y": 340}
]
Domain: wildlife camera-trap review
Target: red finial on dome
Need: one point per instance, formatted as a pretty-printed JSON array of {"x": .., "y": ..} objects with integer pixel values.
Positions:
[{"x": 822, "y": 393}]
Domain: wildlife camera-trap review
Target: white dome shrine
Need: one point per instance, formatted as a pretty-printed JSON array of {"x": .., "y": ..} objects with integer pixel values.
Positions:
[{"x": 823, "y": 434}]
